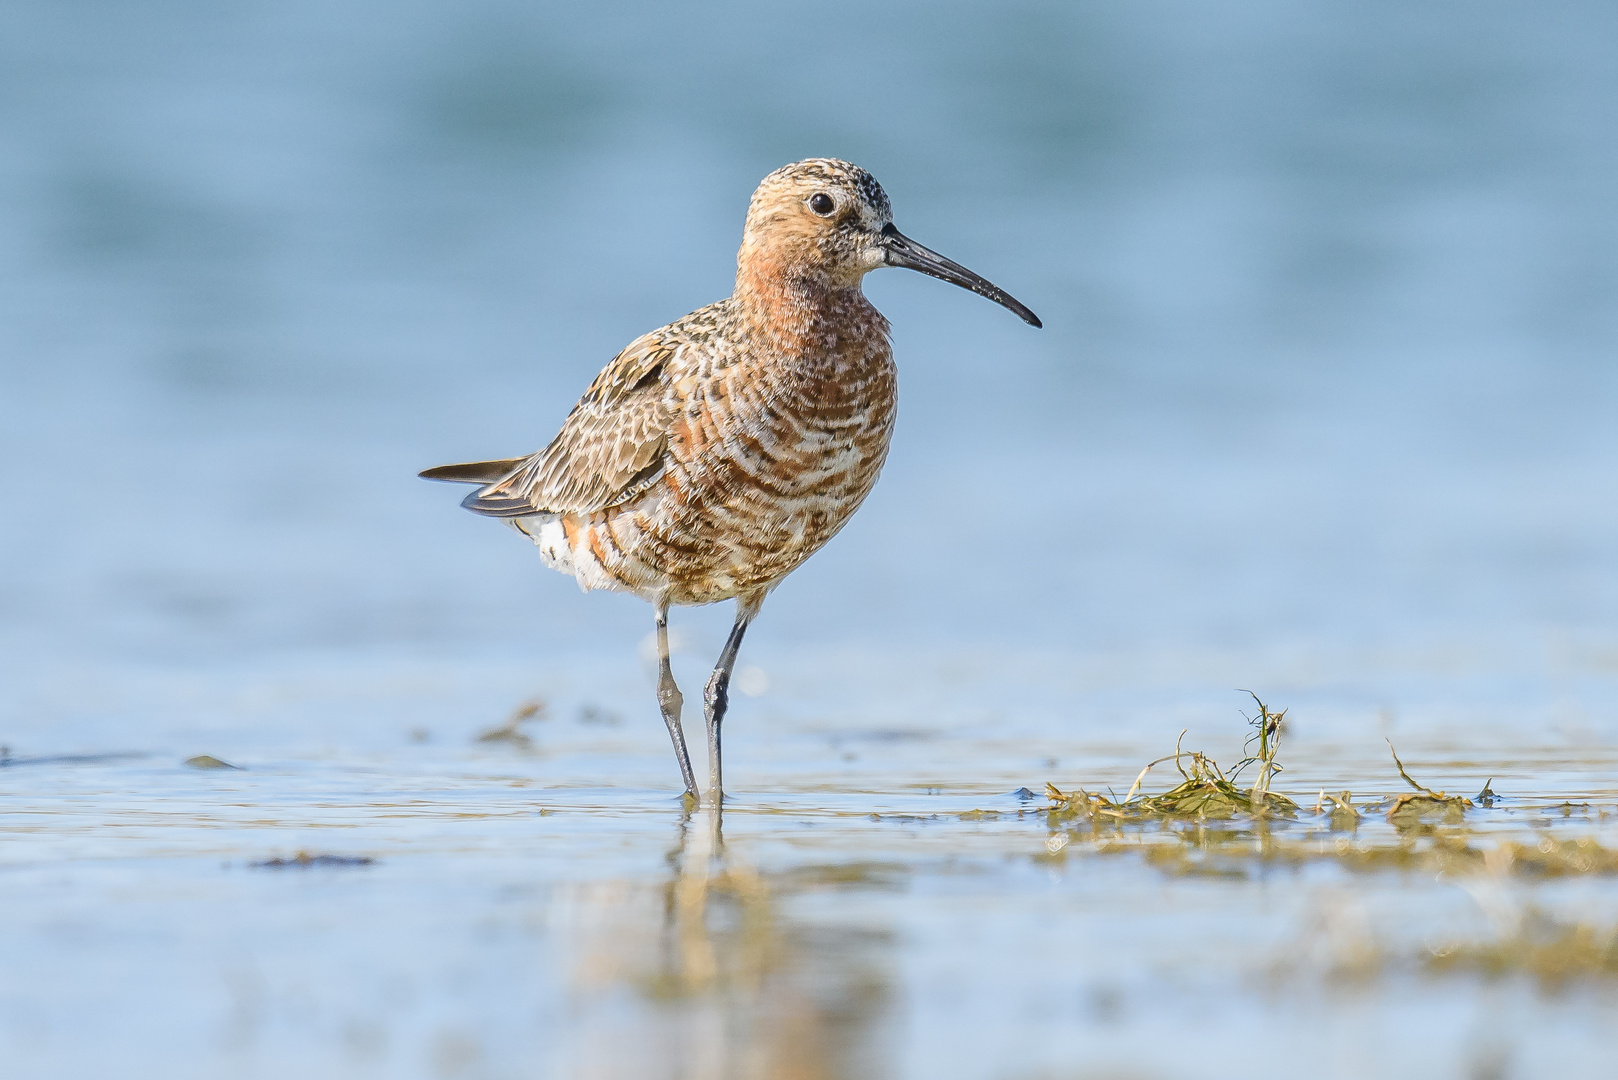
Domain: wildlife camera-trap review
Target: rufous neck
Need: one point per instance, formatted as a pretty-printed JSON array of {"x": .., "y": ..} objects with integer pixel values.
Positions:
[{"x": 789, "y": 304}]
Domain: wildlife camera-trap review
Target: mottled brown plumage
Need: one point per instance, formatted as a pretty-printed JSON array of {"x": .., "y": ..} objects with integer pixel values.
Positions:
[{"x": 713, "y": 456}]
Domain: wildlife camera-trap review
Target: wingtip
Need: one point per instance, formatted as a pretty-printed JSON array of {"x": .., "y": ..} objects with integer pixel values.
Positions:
[{"x": 472, "y": 472}]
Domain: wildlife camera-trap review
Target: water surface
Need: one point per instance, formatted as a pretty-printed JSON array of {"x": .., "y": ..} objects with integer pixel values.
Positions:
[{"x": 1321, "y": 409}]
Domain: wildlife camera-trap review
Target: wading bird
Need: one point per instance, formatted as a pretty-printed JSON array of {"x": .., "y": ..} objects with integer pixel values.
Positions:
[{"x": 714, "y": 455}]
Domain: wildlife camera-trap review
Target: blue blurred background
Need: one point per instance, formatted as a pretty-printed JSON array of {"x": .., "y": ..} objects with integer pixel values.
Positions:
[
  {"x": 1323, "y": 406},
  {"x": 1327, "y": 368}
]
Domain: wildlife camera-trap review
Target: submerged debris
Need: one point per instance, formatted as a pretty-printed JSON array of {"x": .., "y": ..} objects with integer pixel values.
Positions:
[
  {"x": 1551, "y": 951},
  {"x": 1552, "y": 858},
  {"x": 1244, "y": 852},
  {"x": 8, "y": 761},
  {"x": 511, "y": 731},
  {"x": 303, "y": 860},
  {"x": 595, "y": 714},
  {"x": 208, "y": 761},
  {"x": 1342, "y": 943}
]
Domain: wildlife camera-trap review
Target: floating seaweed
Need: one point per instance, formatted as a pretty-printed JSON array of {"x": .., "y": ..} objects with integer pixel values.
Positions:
[
  {"x": 1339, "y": 810},
  {"x": 1208, "y": 825},
  {"x": 1412, "y": 808},
  {"x": 1204, "y": 793}
]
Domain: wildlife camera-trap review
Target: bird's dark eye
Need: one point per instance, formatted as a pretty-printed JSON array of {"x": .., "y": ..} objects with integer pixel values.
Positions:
[{"x": 821, "y": 204}]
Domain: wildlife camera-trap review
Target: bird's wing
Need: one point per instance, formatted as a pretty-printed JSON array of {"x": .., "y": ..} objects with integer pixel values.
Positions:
[{"x": 610, "y": 447}]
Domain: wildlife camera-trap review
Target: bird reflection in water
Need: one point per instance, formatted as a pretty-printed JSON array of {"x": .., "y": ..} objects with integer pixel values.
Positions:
[{"x": 705, "y": 975}]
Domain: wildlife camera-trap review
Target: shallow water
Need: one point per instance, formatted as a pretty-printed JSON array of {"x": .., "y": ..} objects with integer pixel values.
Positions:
[
  {"x": 1322, "y": 409},
  {"x": 879, "y": 900}
]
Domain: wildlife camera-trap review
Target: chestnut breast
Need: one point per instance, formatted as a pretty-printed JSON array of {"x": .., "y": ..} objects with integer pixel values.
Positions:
[{"x": 771, "y": 451}]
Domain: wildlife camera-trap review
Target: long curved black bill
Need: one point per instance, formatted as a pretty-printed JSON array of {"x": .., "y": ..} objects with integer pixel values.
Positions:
[{"x": 900, "y": 250}]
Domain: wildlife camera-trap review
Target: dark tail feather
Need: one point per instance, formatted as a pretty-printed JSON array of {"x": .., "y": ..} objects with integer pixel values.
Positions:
[
  {"x": 473, "y": 472},
  {"x": 499, "y": 504}
]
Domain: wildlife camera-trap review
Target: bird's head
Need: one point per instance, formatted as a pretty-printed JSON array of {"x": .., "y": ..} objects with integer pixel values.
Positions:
[{"x": 827, "y": 223}]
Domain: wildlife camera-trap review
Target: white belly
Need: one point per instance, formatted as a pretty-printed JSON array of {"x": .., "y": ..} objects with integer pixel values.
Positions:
[{"x": 548, "y": 535}]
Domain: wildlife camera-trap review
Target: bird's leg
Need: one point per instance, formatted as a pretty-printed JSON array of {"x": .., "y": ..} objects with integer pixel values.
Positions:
[
  {"x": 670, "y": 701},
  {"x": 717, "y": 697}
]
